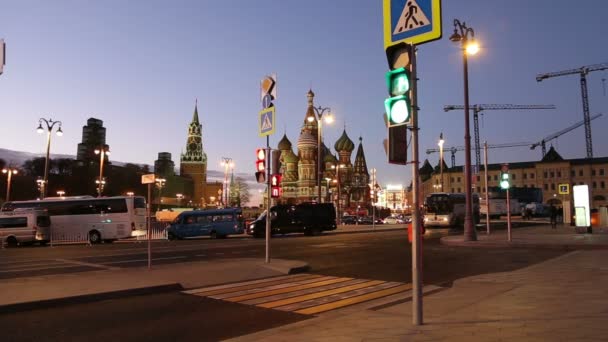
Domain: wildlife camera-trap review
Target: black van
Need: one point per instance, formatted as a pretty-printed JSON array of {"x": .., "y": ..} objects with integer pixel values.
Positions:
[{"x": 307, "y": 218}]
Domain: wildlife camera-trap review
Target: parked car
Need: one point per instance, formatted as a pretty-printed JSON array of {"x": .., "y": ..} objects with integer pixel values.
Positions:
[
  {"x": 365, "y": 220},
  {"x": 349, "y": 219},
  {"x": 393, "y": 220}
]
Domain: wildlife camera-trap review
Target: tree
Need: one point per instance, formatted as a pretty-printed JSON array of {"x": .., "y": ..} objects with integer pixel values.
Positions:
[{"x": 241, "y": 192}]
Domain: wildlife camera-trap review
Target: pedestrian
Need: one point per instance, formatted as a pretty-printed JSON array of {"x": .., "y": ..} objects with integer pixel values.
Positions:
[{"x": 553, "y": 213}]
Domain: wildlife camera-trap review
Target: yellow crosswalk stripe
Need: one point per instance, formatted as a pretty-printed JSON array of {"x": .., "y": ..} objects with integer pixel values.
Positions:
[
  {"x": 354, "y": 300},
  {"x": 246, "y": 287},
  {"x": 285, "y": 290},
  {"x": 315, "y": 295}
]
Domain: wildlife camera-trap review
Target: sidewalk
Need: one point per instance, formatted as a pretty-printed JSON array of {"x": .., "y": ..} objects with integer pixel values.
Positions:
[
  {"x": 542, "y": 236},
  {"x": 563, "y": 299},
  {"x": 55, "y": 289}
]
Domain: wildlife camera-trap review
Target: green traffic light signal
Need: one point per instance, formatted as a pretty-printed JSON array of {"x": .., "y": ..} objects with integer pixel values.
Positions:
[
  {"x": 504, "y": 181},
  {"x": 398, "y": 106}
]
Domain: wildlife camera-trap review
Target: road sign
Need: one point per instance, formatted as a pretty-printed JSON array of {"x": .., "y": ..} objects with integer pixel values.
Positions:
[
  {"x": 411, "y": 21},
  {"x": 268, "y": 90},
  {"x": 148, "y": 179},
  {"x": 564, "y": 189},
  {"x": 267, "y": 122}
]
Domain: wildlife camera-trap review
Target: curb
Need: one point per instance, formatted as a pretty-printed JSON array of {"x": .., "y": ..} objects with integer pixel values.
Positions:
[
  {"x": 303, "y": 267},
  {"x": 88, "y": 298},
  {"x": 506, "y": 244}
]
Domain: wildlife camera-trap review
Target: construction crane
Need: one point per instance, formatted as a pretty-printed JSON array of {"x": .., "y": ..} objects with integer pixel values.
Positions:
[
  {"x": 454, "y": 149},
  {"x": 557, "y": 134},
  {"x": 583, "y": 71},
  {"x": 478, "y": 108}
]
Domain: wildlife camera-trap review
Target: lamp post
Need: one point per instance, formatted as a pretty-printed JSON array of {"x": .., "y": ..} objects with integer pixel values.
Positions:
[
  {"x": 441, "y": 141},
  {"x": 329, "y": 119},
  {"x": 226, "y": 163},
  {"x": 179, "y": 199},
  {"x": 327, "y": 180},
  {"x": 9, "y": 172},
  {"x": 60, "y": 193},
  {"x": 102, "y": 157},
  {"x": 160, "y": 183},
  {"x": 466, "y": 36},
  {"x": 49, "y": 128},
  {"x": 130, "y": 193},
  {"x": 337, "y": 168},
  {"x": 100, "y": 184}
]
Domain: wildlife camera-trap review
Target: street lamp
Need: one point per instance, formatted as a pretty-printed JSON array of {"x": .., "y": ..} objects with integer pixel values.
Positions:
[
  {"x": 160, "y": 183},
  {"x": 49, "y": 128},
  {"x": 329, "y": 119},
  {"x": 466, "y": 36},
  {"x": 60, "y": 193},
  {"x": 226, "y": 163},
  {"x": 179, "y": 199},
  {"x": 100, "y": 184},
  {"x": 130, "y": 193},
  {"x": 9, "y": 172},
  {"x": 102, "y": 156},
  {"x": 441, "y": 141},
  {"x": 327, "y": 180}
]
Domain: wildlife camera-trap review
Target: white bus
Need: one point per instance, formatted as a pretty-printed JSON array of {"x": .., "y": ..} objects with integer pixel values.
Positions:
[
  {"x": 93, "y": 219},
  {"x": 448, "y": 209}
]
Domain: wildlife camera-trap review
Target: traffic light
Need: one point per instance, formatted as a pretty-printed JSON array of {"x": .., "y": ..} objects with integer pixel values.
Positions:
[
  {"x": 505, "y": 183},
  {"x": 398, "y": 106},
  {"x": 260, "y": 165},
  {"x": 275, "y": 186}
]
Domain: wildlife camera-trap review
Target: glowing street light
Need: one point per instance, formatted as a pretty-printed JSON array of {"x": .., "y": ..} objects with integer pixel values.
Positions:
[
  {"x": 49, "y": 128},
  {"x": 102, "y": 156},
  {"x": 10, "y": 172}
]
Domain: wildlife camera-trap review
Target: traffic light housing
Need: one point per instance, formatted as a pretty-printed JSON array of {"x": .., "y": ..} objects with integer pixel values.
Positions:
[
  {"x": 275, "y": 186},
  {"x": 505, "y": 182},
  {"x": 260, "y": 165}
]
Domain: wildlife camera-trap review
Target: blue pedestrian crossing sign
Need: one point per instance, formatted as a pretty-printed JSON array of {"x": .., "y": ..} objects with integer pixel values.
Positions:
[
  {"x": 411, "y": 21},
  {"x": 266, "y": 123}
]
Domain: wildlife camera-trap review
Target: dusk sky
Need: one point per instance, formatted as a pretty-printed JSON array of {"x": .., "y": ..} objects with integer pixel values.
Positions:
[{"x": 140, "y": 65}]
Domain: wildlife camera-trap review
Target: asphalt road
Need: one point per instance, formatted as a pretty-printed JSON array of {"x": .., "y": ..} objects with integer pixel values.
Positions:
[{"x": 175, "y": 316}]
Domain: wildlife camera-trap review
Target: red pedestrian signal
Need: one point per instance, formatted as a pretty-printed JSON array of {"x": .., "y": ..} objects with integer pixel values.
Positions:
[
  {"x": 260, "y": 161},
  {"x": 275, "y": 186}
]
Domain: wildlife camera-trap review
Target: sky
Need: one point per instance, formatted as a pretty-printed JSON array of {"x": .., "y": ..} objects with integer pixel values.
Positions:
[{"x": 140, "y": 66}]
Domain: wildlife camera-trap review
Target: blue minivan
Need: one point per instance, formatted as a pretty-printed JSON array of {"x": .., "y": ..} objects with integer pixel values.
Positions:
[{"x": 216, "y": 223}]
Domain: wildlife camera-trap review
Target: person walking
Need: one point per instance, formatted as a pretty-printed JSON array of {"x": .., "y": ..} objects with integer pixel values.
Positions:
[{"x": 553, "y": 213}]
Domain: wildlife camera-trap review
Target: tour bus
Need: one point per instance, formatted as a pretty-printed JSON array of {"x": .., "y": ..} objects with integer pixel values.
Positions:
[
  {"x": 448, "y": 209},
  {"x": 24, "y": 226},
  {"x": 88, "y": 218},
  {"x": 215, "y": 223}
]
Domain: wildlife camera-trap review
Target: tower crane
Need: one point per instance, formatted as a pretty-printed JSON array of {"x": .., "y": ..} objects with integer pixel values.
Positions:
[
  {"x": 478, "y": 108},
  {"x": 454, "y": 149},
  {"x": 557, "y": 134},
  {"x": 582, "y": 71}
]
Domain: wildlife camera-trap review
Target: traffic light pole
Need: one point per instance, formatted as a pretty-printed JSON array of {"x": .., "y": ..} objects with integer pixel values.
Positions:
[
  {"x": 416, "y": 219},
  {"x": 508, "y": 216},
  {"x": 269, "y": 199}
]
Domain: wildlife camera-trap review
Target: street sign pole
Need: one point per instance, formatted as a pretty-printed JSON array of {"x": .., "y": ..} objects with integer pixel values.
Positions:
[
  {"x": 269, "y": 199},
  {"x": 485, "y": 176},
  {"x": 149, "y": 228},
  {"x": 509, "y": 216},
  {"x": 417, "y": 238}
]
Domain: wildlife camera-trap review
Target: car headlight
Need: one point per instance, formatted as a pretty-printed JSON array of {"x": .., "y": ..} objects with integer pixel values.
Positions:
[{"x": 251, "y": 226}]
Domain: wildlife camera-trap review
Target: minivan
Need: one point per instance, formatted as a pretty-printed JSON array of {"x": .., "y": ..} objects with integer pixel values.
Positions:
[
  {"x": 307, "y": 218},
  {"x": 216, "y": 223},
  {"x": 24, "y": 226}
]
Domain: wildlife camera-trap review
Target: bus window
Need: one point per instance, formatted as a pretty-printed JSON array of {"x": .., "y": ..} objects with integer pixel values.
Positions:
[{"x": 139, "y": 202}]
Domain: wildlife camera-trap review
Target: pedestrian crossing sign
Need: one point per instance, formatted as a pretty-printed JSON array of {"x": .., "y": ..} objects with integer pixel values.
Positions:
[
  {"x": 411, "y": 21},
  {"x": 266, "y": 122},
  {"x": 564, "y": 189}
]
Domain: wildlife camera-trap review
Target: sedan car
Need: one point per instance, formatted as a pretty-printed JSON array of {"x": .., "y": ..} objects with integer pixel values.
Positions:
[{"x": 393, "y": 220}]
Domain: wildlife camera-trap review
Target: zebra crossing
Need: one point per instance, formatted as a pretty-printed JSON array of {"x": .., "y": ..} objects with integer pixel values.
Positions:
[{"x": 308, "y": 294}]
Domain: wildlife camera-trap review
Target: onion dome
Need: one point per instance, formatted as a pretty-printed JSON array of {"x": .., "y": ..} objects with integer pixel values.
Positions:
[
  {"x": 330, "y": 158},
  {"x": 344, "y": 143},
  {"x": 306, "y": 140},
  {"x": 290, "y": 157},
  {"x": 284, "y": 144}
]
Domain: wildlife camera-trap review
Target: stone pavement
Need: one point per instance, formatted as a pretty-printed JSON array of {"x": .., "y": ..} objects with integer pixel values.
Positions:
[{"x": 563, "y": 299}]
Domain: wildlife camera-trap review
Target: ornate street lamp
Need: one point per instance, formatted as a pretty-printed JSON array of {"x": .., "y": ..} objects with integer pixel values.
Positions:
[
  {"x": 329, "y": 119},
  {"x": 49, "y": 128},
  {"x": 9, "y": 172}
]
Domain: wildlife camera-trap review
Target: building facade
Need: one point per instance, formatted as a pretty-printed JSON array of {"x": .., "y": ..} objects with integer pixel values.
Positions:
[
  {"x": 342, "y": 181},
  {"x": 93, "y": 137},
  {"x": 546, "y": 174}
]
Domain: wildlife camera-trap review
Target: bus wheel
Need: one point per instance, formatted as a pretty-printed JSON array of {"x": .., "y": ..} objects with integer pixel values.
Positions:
[
  {"x": 12, "y": 242},
  {"x": 213, "y": 235},
  {"x": 94, "y": 237}
]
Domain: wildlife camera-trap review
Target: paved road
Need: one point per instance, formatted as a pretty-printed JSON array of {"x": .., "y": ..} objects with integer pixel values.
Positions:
[{"x": 382, "y": 256}]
